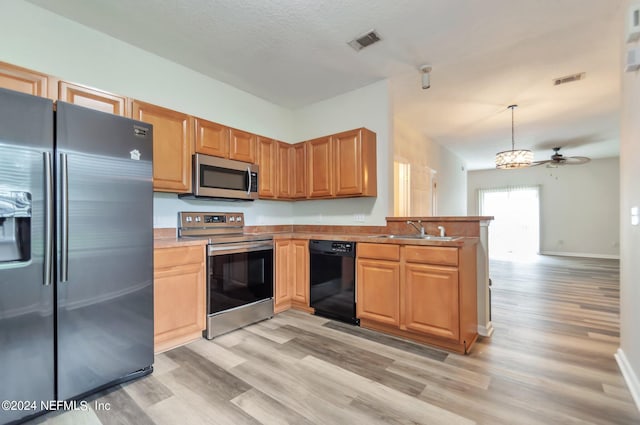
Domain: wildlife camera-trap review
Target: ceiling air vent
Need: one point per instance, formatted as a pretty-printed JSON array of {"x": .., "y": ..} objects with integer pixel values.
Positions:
[
  {"x": 364, "y": 40},
  {"x": 569, "y": 79}
]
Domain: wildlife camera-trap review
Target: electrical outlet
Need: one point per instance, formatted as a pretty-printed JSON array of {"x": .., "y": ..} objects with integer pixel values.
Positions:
[{"x": 319, "y": 218}]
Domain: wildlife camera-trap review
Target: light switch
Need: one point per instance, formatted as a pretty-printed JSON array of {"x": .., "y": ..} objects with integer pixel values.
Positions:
[{"x": 635, "y": 218}]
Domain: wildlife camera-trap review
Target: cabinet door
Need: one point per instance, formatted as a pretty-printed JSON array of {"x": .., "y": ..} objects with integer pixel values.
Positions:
[
  {"x": 300, "y": 273},
  {"x": 283, "y": 281},
  {"x": 347, "y": 157},
  {"x": 172, "y": 146},
  {"x": 23, "y": 80},
  {"x": 319, "y": 167},
  {"x": 431, "y": 300},
  {"x": 355, "y": 163},
  {"x": 378, "y": 293},
  {"x": 179, "y": 296},
  {"x": 211, "y": 138},
  {"x": 267, "y": 161},
  {"x": 242, "y": 146},
  {"x": 284, "y": 155},
  {"x": 299, "y": 171},
  {"x": 92, "y": 98}
]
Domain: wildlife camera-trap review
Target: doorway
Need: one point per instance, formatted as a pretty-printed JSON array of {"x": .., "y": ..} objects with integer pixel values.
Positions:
[{"x": 515, "y": 231}]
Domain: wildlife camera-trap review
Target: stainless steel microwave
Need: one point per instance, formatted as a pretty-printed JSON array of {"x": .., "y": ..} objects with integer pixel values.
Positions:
[{"x": 221, "y": 178}]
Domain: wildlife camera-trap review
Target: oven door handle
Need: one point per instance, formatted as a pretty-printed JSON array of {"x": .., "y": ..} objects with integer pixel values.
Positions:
[{"x": 239, "y": 248}]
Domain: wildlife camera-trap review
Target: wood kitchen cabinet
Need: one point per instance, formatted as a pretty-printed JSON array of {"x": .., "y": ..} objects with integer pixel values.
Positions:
[
  {"x": 291, "y": 275},
  {"x": 172, "y": 146},
  {"x": 342, "y": 165},
  {"x": 378, "y": 274},
  {"x": 354, "y": 162},
  {"x": 26, "y": 81},
  {"x": 93, "y": 98},
  {"x": 179, "y": 296},
  {"x": 299, "y": 171},
  {"x": 211, "y": 138},
  {"x": 319, "y": 168},
  {"x": 284, "y": 170},
  {"x": 242, "y": 146},
  {"x": 268, "y": 163},
  {"x": 425, "y": 293}
]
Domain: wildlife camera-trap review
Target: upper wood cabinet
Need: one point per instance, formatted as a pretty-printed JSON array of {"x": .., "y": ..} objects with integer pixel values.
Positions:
[
  {"x": 27, "y": 81},
  {"x": 211, "y": 138},
  {"x": 284, "y": 172},
  {"x": 242, "y": 146},
  {"x": 319, "y": 167},
  {"x": 172, "y": 146},
  {"x": 267, "y": 161},
  {"x": 354, "y": 154},
  {"x": 342, "y": 165},
  {"x": 298, "y": 171},
  {"x": 92, "y": 98}
]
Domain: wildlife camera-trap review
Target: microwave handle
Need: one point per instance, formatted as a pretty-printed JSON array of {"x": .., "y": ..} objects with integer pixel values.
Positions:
[{"x": 249, "y": 187}]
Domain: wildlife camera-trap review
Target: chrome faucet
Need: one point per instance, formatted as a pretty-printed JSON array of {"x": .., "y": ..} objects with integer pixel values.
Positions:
[
  {"x": 419, "y": 229},
  {"x": 441, "y": 228}
]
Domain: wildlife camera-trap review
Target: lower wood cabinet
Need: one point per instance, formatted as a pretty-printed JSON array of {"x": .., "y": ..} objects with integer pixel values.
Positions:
[
  {"x": 291, "y": 275},
  {"x": 179, "y": 296},
  {"x": 425, "y": 293},
  {"x": 378, "y": 280}
]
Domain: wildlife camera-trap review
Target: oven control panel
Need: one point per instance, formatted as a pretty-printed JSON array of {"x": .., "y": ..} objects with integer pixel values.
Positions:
[{"x": 201, "y": 223}]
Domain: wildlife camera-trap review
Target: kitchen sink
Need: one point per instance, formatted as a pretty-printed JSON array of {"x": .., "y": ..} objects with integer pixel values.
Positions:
[{"x": 419, "y": 237}]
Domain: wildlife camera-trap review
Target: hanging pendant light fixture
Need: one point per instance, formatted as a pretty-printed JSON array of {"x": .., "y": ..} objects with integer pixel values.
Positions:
[{"x": 514, "y": 158}]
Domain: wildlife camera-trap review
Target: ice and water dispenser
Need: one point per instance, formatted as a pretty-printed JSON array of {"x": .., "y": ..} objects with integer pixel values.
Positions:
[{"x": 15, "y": 226}]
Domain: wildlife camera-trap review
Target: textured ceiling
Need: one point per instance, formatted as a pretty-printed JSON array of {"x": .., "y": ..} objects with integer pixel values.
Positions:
[{"x": 485, "y": 56}]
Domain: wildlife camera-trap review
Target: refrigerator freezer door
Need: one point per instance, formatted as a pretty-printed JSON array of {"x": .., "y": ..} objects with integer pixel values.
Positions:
[
  {"x": 26, "y": 303},
  {"x": 105, "y": 248}
]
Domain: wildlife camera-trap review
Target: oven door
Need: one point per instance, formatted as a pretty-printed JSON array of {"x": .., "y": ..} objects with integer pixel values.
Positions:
[
  {"x": 224, "y": 178},
  {"x": 239, "y": 274}
]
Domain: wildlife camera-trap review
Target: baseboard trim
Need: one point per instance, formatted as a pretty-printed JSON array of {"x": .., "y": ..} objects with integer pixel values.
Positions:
[
  {"x": 486, "y": 330},
  {"x": 581, "y": 254},
  {"x": 632, "y": 380}
]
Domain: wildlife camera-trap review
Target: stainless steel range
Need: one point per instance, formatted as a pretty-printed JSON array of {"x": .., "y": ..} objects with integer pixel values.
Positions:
[{"x": 239, "y": 270}]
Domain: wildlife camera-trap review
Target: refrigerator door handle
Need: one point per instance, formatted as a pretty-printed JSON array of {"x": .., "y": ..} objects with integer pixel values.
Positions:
[
  {"x": 64, "y": 219},
  {"x": 48, "y": 219}
]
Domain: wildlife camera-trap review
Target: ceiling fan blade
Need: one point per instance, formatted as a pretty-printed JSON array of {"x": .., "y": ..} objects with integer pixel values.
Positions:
[
  {"x": 576, "y": 160},
  {"x": 536, "y": 163}
]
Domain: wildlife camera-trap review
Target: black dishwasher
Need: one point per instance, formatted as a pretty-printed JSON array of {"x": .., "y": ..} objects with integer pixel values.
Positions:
[{"x": 332, "y": 271}]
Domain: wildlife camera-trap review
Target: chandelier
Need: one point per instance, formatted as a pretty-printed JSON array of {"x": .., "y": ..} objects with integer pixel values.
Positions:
[{"x": 514, "y": 158}]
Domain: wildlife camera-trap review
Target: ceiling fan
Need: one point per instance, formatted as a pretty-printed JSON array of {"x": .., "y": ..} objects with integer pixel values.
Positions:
[{"x": 558, "y": 159}]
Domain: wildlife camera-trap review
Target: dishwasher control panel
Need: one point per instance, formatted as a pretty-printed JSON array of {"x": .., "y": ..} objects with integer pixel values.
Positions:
[{"x": 341, "y": 246}]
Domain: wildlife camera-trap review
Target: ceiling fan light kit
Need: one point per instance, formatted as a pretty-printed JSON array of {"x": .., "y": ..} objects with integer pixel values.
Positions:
[{"x": 514, "y": 158}]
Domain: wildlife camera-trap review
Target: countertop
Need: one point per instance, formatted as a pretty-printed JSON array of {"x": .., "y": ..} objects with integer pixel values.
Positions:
[{"x": 166, "y": 238}]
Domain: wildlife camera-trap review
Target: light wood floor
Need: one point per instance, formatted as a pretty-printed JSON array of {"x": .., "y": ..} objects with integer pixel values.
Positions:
[{"x": 550, "y": 361}]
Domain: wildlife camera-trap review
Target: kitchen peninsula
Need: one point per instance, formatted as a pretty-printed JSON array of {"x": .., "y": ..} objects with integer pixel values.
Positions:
[{"x": 426, "y": 290}]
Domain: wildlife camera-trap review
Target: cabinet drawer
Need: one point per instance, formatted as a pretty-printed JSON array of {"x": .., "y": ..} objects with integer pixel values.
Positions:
[
  {"x": 177, "y": 256},
  {"x": 431, "y": 254},
  {"x": 379, "y": 251}
]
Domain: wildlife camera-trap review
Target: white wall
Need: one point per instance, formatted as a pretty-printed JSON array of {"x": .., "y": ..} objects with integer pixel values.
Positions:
[
  {"x": 411, "y": 146},
  {"x": 366, "y": 107},
  {"x": 579, "y": 205},
  {"x": 40, "y": 40},
  {"x": 629, "y": 354}
]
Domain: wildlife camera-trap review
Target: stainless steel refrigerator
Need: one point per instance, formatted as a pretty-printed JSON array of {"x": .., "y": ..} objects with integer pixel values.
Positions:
[{"x": 76, "y": 251}]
